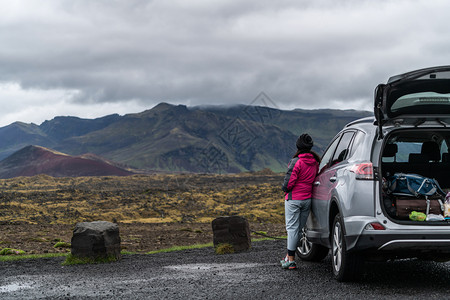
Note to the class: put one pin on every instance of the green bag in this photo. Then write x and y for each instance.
(417, 216)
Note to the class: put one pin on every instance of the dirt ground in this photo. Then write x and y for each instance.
(153, 211)
(137, 237)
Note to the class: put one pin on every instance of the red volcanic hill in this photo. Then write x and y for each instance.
(34, 160)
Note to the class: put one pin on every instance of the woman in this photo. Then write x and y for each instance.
(297, 185)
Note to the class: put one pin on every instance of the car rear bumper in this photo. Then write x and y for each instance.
(395, 242)
(395, 237)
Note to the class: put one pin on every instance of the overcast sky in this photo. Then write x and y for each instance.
(92, 58)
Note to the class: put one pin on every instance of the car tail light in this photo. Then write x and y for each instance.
(374, 226)
(363, 171)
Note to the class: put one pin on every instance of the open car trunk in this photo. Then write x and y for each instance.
(416, 151)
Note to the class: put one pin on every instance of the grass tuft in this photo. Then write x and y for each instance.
(181, 248)
(10, 251)
(261, 232)
(75, 260)
(62, 245)
(270, 238)
(30, 256)
(224, 248)
(125, 252)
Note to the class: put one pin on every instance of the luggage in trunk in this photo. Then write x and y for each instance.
(405, 205)
(408, 184)
(409, 192)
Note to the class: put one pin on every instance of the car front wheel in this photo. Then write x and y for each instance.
(346, 266)
(308, 251)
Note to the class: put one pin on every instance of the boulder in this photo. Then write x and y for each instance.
(99, 239)
(233, 230)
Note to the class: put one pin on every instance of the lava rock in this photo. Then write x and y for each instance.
(234, 230)
(98, 239)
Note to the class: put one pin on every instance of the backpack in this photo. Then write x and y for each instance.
(402, 184)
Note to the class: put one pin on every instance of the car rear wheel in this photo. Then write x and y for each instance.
(346, 266)
(308, 251)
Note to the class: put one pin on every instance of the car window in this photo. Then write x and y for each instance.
(342, 149)
(418, 100)
(444, 151)
(444, 147)
(404, 151)
(357, 141)
(328, 154)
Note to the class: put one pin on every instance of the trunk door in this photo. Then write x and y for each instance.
(421, 94)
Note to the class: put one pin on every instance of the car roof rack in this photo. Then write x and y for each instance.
(363, 120)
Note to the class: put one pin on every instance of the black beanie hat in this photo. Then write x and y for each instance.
(304, 142)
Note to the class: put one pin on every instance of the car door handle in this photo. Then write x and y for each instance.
(317, 183)
(333, 179)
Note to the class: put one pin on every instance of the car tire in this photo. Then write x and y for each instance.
(346, 266)
(308, 251)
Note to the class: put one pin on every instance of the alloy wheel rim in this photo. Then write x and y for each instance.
(337, 247)
(305, 245)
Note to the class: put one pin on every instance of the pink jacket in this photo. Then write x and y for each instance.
(300, 176)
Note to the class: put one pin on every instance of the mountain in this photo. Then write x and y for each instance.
(18, 135)
(61, 128)
(33, 160)
(168, 137)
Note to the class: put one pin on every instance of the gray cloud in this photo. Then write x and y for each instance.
(306, 54)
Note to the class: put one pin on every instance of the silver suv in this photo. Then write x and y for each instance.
(352, 212)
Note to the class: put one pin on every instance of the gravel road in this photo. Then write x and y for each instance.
(200, 274)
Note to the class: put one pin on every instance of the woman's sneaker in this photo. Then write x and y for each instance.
(285, 259)
(290, 265)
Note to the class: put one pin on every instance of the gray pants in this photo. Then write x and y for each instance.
(296, 212)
